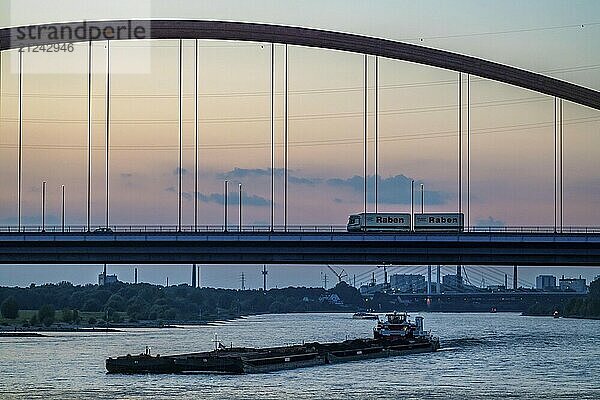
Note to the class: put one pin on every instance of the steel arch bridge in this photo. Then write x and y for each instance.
(493, 248)
(10, 38)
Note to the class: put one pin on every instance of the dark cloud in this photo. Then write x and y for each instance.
(241, 173)
(392, 190)
(304, 181)
(238, 173)
(171, 189)
(247, 200)
(489, 222)
(126, 175)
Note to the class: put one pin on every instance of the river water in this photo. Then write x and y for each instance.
(482, 356)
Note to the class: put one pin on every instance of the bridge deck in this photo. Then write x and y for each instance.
(509, 248)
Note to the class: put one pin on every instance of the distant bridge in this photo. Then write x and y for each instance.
(469, 248)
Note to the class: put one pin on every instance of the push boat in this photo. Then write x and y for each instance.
(394, 336)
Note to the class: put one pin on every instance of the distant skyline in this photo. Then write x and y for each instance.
(512, 177)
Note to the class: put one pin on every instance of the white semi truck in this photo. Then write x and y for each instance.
(401, 222)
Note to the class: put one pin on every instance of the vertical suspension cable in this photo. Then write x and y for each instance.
(196, 72)
(20, 151)
(376, 132)
(89, 139)
(1, 75)
(272, 137)
(460, 142)
(285, 152)
(555, 163)
(561, 164)
(468, 150)
(365, 144)
(107, 138)
(179, 184)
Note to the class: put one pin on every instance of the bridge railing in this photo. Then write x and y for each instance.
(267, 228)
(171, 228)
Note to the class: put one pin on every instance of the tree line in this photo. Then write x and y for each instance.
(137, 302)
(588, 307)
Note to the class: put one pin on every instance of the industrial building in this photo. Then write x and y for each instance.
(452, 282)
(408, 283)
(545, 282)
(104, 279)
(577, 285)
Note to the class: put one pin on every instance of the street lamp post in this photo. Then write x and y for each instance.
(412, 200)
(62, 215)
(44, 206)
(225, 191)
(422, 199)
(240, 216)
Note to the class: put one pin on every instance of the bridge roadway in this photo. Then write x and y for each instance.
(468, 248)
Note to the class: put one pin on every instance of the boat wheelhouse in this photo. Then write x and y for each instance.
(398, 325)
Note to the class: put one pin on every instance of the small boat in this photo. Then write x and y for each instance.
(393, 337)
(556, 314)
(364, 315)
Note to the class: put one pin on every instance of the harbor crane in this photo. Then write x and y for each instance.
(340, 275)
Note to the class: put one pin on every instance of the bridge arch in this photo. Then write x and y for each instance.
(243, 31)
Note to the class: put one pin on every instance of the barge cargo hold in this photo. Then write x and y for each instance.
(394, 337)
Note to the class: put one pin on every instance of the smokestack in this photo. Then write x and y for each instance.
(429, 279)
(505, 281)
(459, 275)
(439, 285)
(167, 281)
(193, 275)
(135, 276)
(515, 277)
(198, 283)
(104, 275)
(264, 273)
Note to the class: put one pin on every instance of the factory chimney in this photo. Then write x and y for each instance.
(264, 274)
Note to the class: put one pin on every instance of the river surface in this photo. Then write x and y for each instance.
(482, 356)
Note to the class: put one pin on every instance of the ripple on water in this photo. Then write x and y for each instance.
(483, 356)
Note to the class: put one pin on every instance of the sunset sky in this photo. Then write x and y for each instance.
(512, 175)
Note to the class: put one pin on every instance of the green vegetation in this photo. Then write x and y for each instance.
(588, 307)
(9, 308)
(46, 314)
(94, 305)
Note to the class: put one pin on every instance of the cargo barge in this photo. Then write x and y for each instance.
(395, 336)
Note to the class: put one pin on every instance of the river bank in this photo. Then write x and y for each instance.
(18, 327)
